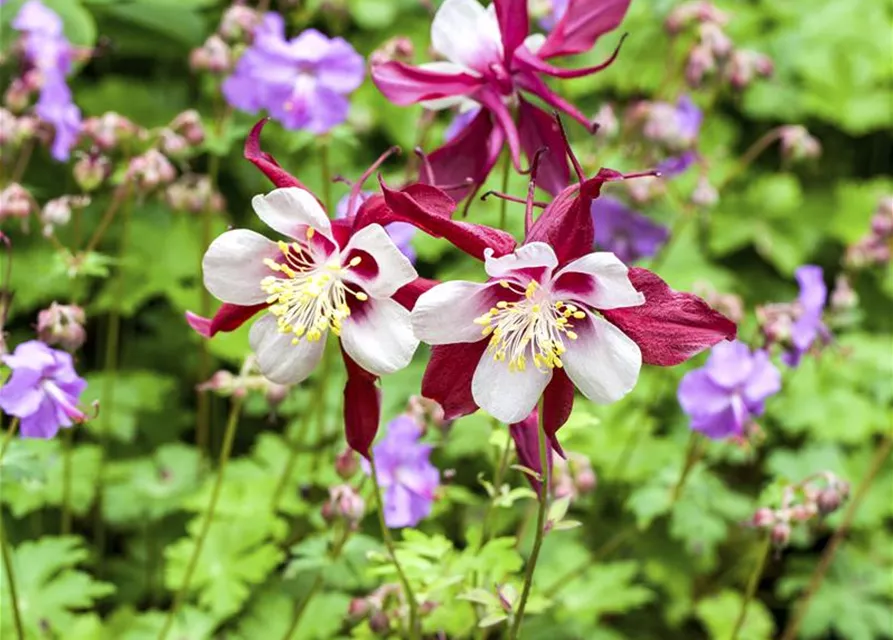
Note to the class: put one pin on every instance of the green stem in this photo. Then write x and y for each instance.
(821, 569)
(10, 579)
(497, 483)
(752, 583)
(540, 527)
(228, 438)
(317, 583)
(118, 198)
(503, 203)
(612, 544)
(10, 434)
(752, 153)
(68, 446)
(414, 622)
(692, 455)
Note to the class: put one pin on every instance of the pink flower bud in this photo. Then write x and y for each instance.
(699, 64)
(346, 464)
(697, 11)
(276, 393)
(214, 56)
(763, 517)
(704, 193)
(238, 22)
(62, 325)
(844, 297)
(91, 170)
(109, 130)
(829, 501)
(882, 220)
(150, 170)
(16, 202)
(222, 383)
(18, 95)
(714, 38)
(608, 125)
(57, 212)
(358, 609)
(798, 144)
(397, 49)
(745, 65)
(344, 504)
(802, 512)
(781, 534)
(173, 145)
(193, 194)
(189, 125)
(379, 622)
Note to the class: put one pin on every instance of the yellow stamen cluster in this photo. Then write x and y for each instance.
(308, 299)
(535, 323)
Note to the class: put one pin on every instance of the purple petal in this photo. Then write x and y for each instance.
(628, 234)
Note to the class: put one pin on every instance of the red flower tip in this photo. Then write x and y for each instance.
(200, 324)
(266, 163)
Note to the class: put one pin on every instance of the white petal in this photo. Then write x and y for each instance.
(610, 277)
(534, 254)
(379, 337)
(603, 362)
(508, 396)
(278, 359)
(394, 269)
(233, 266)
(467, 34)
(445, 313)
(290, 211)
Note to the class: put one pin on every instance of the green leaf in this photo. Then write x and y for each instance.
(50, 587)
(720, 612)
(124, 396)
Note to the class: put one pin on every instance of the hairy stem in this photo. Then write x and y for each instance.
(818, 575)
(10, 434)
(414, 622)
(540, 527)
(228, 438)
(10, 580)
(692, 455)
(752, 583)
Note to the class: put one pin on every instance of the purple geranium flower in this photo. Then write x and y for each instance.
(677, 127)
(811, 303)
(43, 390)
(302, 82)
(405, 473)
(48, 51)
(624, 232)
(729, 390)
(401, 233)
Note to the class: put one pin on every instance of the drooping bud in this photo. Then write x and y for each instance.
(699, 64)
(797, 143)
(109, 130)
(276, 393)
(698, 11)
(172, 144)
(189, 125)
(16, 203)
(704, 194)
(18, 95)
(91, 170)
(8, 128)
(714, 38)
(829, 501)
(238, 22)
(57, 212)
(745, 65)
(214, 56)
(379, 622)
(396, 49)
(347, 464)
(358, 609)
(781, 534)
(194, 194)
(843, 298)
(150, 170)
(344, 504)
(63, 325)
(763, 517)
(223, 383)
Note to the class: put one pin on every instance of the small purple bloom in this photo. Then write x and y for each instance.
(810, 305)
(688, 118)
(55, 106)
(400, 232)
(626, 233)
(407, 476)
(729, 390)
(302, 82)
(677, 165)
(676, 126)
(43, 390)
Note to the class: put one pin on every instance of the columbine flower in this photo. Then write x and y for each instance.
(43, 390)
(554, 315)
(626, 233)
(302, 82)
(401, 233)
(808, 324)
(405, 473)
(48, 51)
(490, 60)
(344, 277)
(723, 396)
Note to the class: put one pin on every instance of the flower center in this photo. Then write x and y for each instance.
(309, 299)
(533, 324)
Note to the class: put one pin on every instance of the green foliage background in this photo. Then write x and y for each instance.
(640, 566)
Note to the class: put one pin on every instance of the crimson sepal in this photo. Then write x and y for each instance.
(671, 326)
(362, 407)
(229, 317)
(266, 163)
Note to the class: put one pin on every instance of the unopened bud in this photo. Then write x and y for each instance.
(109, 130)
(397, 49)
(745, 65)
(346, 464)
(714, 38)
(829, 501)
(16, 202)
(763, 517)
(798, 144)
(607, 122)
(379, 622)
(698, 65)
(358, 609)
(194, 194)
(781, 534)
(150, 170)
(344, 504)
(276, 393)
(57, 212)
(91, 170)
(238, 22)
(189, 125)
(214, 56)
(698, 11)
(222, 383)
(18, 95)
(704, 193)
(802, 512)
(172, 145)
(844, 297)
(63, 325)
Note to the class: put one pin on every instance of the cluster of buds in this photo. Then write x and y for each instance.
(396, 49)
(110, 130)
(728, 304)
(777, 320)
(235, 29)
(380, 607)
(194, 194)
(426, 412)
(815, 497)
(62, 325)
(344, 505)
(91, 170)
(798, 144)
(873, 249)
(14, 130)
(225, 384)
(714, 53)
(182, 135)
(17, 203)
(572, 477)
(57, 212)
(150, 170)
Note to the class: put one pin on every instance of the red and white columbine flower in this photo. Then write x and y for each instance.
(535, 316)
(492, 60)
(345, 277)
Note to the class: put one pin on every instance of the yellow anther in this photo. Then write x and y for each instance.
(362, 297)
(355, 261)
(310, 232)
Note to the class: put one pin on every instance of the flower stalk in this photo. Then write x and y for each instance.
(10, 579)
(752, 583)
(228, 439)
(540, 526)
(10, 434)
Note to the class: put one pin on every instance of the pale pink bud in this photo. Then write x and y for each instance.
(214, 56)
(744, 65)
(63, 325)
(222, 383)
(608, 125)
(829, 500)
(150, 170)
(16, 202)
(704, 193)
(344, 504)
(109, 130)
(699, 64)
(379, 622)
(882, 220)
(844, 297)
(18, 95)
(358, 609)
(57, 212)
(797, 143)
(189, 125)
(275, 393)
(194, 194)
(763, 517)
(91, 170)
(346, 464)
(238, 22)
(697, 11)
(397, 49)
(781, 534)
(714, 38)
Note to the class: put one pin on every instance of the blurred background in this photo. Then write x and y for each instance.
(786, 162)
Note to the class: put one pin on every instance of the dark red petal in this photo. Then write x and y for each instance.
(527, 446)
(447, 378)
(540, 130)
(229, 317)
(408, 294)
(581, 25)
(362, 407)
(514, 24)
(265, 162)
(468, 158)
(558, 402)
(423, 209)
(671, 326)
(403, 84)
